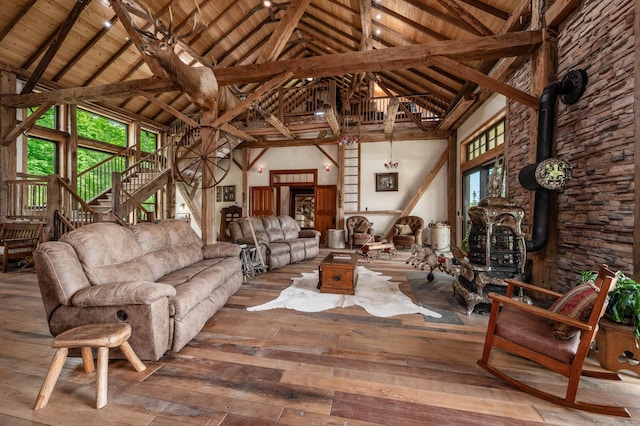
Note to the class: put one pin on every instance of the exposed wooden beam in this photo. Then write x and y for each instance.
(53, 49)
(274, 121)
(559, 10)
(26, 124)
(171, 110)
(466, 17)
(392, 112)
(489, 47)
(76, 94)
(457, 111)
(14, 21)
(486, 81)
(332, 119)
(285, 28)
(86, 48)
(326, 154)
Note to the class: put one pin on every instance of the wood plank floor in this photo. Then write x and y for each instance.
(338, 367)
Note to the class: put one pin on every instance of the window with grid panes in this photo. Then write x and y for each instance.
(486, 141)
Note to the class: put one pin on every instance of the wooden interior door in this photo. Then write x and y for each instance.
(261, 201)
(325, 210)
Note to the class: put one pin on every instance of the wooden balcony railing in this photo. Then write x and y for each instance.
(27, 198)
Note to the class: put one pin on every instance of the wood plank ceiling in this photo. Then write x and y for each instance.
(63, 44)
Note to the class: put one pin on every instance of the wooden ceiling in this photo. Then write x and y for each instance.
(446, 48)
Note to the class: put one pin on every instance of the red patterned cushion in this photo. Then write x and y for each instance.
(577, 303)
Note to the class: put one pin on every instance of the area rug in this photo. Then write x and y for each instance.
(436, 294)
(374, 292)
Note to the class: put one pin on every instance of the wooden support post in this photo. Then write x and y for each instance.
(8, 152)
(543, 70)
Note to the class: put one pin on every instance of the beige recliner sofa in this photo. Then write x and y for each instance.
(159, 278)
(281, 240)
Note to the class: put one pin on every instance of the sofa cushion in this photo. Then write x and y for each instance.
(289, 226)
(195, 282)
(297, 250)
(272, 228)
(109, 252)
(168, 246)
(241, 231)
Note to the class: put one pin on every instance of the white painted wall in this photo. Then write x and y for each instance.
(416, 159)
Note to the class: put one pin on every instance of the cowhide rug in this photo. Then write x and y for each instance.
(374, 292)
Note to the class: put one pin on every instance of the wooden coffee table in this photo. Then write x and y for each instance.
(338, 273)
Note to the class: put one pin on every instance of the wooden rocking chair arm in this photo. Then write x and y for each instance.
(532, 287)
(535, 310)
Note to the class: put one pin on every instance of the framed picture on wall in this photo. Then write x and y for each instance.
(218, 194)
(229, 193)
(386, 182)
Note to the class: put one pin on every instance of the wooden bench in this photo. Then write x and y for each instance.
(18, 240)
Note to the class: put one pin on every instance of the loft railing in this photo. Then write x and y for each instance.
(374, 110)
(96, 180)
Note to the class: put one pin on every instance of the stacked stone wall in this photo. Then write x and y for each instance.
(595, 136)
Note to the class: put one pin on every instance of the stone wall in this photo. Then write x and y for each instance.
(595, 136)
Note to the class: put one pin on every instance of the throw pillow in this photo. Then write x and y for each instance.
(362, 227)
(577, 303)
(404, 229)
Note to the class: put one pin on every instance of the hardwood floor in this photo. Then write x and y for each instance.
(338, 367)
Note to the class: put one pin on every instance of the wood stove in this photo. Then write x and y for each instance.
(495, 251)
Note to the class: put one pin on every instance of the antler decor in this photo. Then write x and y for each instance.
(199, 84)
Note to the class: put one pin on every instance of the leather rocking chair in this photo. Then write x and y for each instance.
(557, 338)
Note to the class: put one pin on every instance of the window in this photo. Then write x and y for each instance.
(474, 187)
(101, 128)
(48, 119)
(486, 141)
(479, 163)
(42, 157)
(148, 141)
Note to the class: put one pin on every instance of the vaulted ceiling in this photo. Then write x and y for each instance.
(452, 50)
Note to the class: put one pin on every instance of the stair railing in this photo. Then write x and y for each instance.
(66, 210)
(136, 177)
(96, 180)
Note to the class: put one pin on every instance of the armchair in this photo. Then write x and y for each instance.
(407, 231)
(359, 230)
(557, 338)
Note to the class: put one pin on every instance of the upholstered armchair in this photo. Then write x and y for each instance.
(407, 231)
(359, 231)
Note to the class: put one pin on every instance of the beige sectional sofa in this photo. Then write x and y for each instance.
(157, 277)
(280, 237)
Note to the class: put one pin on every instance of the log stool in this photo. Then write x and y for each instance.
(102, 336)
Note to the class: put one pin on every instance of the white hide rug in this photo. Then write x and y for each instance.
(374, 292)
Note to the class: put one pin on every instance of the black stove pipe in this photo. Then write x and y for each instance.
(542, 203)
(570, 89)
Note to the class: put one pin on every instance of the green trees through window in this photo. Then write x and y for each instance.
(100, 128)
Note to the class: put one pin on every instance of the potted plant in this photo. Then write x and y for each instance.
(624, 302)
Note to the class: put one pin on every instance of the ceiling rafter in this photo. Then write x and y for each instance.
(14, 21)
(460, 12)
(61, 35)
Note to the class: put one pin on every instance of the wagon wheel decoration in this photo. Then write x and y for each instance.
(203, 157)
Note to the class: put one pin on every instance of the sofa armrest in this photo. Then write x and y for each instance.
(122, 293)
(221, 249)
(309, 233)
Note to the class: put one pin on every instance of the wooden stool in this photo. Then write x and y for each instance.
(102, 336)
